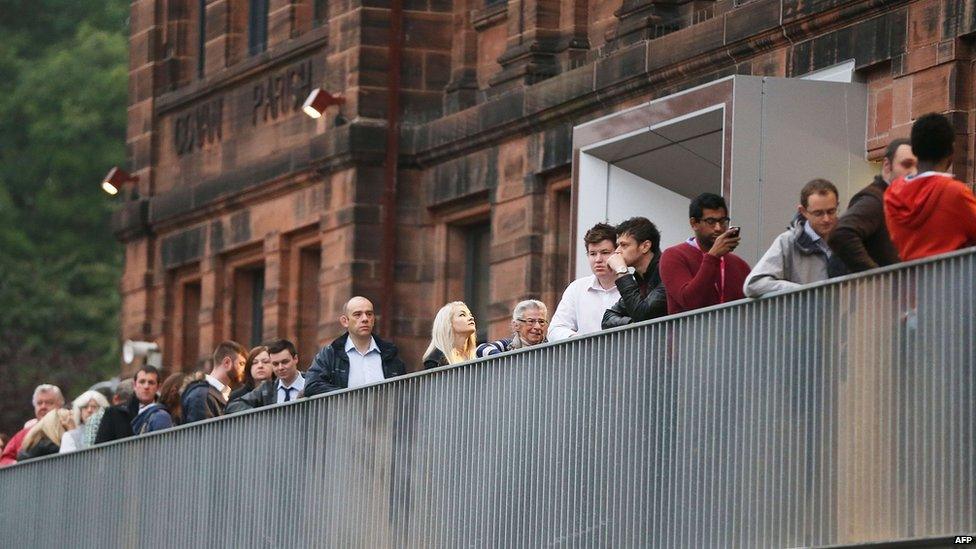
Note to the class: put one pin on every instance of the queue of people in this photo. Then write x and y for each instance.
(913, 209)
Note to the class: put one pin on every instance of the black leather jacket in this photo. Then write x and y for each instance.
(330, 369)
(630, 307)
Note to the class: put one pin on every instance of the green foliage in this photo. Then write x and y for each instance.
(63, 78)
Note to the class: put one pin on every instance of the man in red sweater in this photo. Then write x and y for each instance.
(703, 271)
(930, 213)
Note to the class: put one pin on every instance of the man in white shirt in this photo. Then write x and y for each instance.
(581, 308)
(286, 386)
(357, 357)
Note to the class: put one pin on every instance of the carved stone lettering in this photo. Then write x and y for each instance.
(282, 93)
(199, 126)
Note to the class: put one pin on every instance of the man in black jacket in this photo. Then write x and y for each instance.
(860, 240)
(642, 294)
(357, 357)
(287, 385)
(116, 420)
(207, 397)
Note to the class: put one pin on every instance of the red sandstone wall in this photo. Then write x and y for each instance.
(490, 94)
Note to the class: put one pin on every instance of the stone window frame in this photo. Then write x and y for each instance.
(177, 280)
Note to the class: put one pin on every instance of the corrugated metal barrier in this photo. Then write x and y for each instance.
(841, 413)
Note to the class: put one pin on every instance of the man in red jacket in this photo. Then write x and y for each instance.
(930, 213)
(703, 271)
(46, 398)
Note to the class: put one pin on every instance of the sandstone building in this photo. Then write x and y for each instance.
(251, 220)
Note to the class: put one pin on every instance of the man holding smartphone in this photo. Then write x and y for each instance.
(703, 271)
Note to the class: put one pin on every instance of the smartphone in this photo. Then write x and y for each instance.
(734, 231)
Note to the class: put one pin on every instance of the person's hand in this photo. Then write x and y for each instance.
(616, 262)
(725, 243)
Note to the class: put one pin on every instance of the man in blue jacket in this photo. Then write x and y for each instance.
(357, 357)
(151, 415)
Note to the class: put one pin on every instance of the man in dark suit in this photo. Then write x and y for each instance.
(207, 397)
(287, 385)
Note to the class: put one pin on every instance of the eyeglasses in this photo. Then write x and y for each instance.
(823, 213)
(541, 322)
(723, 221)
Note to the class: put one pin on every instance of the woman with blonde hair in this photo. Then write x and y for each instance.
(45, 438)
(452, 339)
(82, 408)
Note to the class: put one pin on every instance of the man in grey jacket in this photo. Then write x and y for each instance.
(801, 254)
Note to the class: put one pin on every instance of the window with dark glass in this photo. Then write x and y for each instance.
(477, 271)
(309, 265)
(248, 305)
(201, 37)
(319, 12)
(257, 27)
(190, 336)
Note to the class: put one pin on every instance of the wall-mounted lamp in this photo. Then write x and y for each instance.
(319, 100)
(148, 349)
(115, 178)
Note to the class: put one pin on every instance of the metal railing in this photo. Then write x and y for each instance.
(837, 414)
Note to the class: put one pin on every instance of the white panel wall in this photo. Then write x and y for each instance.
(591, 204)
(631, 196)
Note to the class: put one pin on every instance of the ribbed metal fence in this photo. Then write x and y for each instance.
(838, 414)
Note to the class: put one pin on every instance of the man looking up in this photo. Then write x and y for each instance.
(207, 397)
(703, 271)
(46, 398)
(151, 416)
(860, 240)
(800, 255)
(642, 294)
(355, 358)
(286, 386)
(581, 308)
(932, 212)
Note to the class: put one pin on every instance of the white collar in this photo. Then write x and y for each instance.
(298, 381)
(810, 232)
(372, 346)
(216, 384)
(595, 285)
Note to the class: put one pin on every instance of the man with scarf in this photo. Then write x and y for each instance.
(530, 321)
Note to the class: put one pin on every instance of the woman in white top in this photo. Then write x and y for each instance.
(82, 408)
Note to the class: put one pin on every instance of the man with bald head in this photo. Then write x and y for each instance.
(357, 357)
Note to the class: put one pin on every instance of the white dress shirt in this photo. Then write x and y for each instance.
(580, 311)
(216, 384)
(297, 386)
(364, 368)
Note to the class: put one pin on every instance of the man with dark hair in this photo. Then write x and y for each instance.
(581, 308)
(150, 415)
(860, 240)
(800, 255)
(116, 421)
(932, 212)
(357, 357)
(635, 265)
(207, 397)
(703, 271)
(287, 385)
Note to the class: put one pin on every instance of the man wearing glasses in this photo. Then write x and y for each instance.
(703, 271)
(530, 321)
(801, 254)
